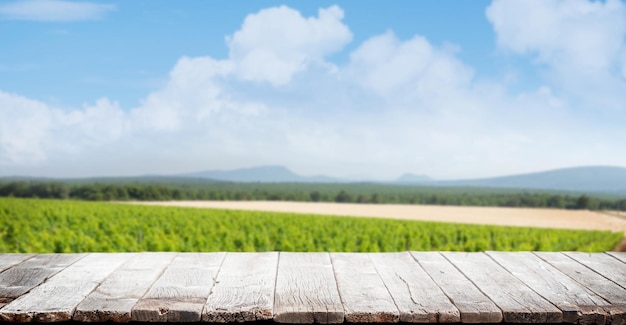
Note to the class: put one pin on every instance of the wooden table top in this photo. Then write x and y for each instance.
(327, 288)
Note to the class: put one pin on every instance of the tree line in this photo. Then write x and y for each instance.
(342, 193)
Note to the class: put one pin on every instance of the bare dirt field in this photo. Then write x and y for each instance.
(619, 214)
(545, 218)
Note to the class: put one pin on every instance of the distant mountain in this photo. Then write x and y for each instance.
(263, 174)
(409, 178)
(580, 179)
(593, 179)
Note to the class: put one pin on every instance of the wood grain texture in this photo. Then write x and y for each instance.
(21, 278)
(618, 255)
(10, 260)
(115, 297)
(473, 305)
(417, 297)
(603, 287)
(416, 287)
(181, 291)
(604, 264)
(364, 295)
(244, 290)
(306, 291)
(56, 299)
(519, 304)
(578, 304)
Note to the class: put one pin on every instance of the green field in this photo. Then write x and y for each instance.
(63, 226)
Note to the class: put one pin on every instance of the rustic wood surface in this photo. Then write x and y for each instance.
(604, 264)
(115, 297)
(519, 304)
(20, 279)
(182, 290)
(473, 305)
(9, 260)
(364, 295)
(619, 255)
(416, 295)
(592, 280)
(578, 304)
(244, 290)
(407, 287)
(306, 291)
(56, 299)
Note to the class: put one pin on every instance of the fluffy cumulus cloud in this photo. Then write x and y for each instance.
(274, 44)
(396, 105)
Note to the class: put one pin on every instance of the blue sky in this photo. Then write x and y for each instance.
(352, 89)
(129, 50)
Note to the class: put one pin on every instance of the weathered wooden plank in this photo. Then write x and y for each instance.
(244, 290)
(519, 304)
(182, 290)
(104, 287)
(56, 299)
(21, 278)
(9, 260)
(417, 297)
(578, 304)
(115, 297)
(473, 305)
(603, 287)
(618, 255)
(604, 264)
(363, 293)
(306, 291)
(6, 262)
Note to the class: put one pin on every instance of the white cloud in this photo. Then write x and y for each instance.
(274, 44)
(31, 130)
(587, 34)
(24, 124)
(103, 122)
(396, 106)
(390, 66)
(54, 10)
(580, 42)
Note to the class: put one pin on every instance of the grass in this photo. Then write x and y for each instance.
(62, 226)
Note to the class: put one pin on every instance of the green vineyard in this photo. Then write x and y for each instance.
(61, 226)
